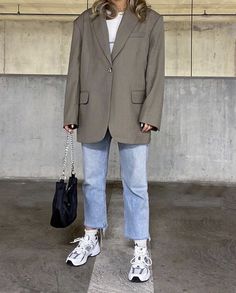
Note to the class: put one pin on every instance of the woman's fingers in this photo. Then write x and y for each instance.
(67, 128)
(146, 127)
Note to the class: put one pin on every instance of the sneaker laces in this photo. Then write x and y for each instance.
(84, 242)
(141, 257)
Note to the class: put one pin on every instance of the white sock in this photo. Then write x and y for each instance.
(141, 243)
(91, 232)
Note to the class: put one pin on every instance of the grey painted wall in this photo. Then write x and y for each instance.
(197, 141)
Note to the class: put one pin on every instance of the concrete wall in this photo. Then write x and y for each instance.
(36, 47)
(42, 47)
(197, 140)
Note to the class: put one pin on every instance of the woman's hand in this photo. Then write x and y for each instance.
(70, 128)
(147, 127)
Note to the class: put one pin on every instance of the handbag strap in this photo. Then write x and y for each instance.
(69, 137)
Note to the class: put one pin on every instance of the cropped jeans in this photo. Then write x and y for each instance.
(133, 171)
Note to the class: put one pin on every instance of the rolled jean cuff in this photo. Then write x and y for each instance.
(103, 227)
(132, 237)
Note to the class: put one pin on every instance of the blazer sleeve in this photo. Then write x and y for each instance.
(71, 102)
(151, 111)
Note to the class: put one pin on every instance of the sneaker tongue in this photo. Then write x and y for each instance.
(86, 236)
(140, 246)
(90, 237)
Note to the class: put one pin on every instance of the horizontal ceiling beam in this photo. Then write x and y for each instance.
(73, 7)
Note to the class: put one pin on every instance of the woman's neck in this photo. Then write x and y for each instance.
(120, 5)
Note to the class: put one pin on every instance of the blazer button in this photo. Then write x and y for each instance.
(109, 69)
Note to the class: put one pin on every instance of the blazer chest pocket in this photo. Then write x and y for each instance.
(137, 35)
(137, 96)
(84, 97)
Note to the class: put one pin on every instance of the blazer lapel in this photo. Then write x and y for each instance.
(100, 28)
(127, 24)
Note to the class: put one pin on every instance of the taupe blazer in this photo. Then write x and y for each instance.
(115, 90)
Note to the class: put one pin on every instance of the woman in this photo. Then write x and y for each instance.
(115, 88)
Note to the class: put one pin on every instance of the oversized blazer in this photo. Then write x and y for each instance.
(119, 89)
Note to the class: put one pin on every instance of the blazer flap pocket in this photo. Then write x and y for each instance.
(84, 97)
(138, 96)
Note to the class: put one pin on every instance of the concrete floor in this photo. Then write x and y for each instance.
(193, 243)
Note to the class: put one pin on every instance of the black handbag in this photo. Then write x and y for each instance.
(64, 204)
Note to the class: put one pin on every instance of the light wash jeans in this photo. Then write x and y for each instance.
(133, 171)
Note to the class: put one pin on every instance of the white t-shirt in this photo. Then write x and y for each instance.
(112, 25)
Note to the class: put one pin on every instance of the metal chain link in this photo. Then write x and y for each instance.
(72, 155)
(66, 153)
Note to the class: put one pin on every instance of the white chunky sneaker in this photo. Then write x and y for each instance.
(140, 263)
(88, 246)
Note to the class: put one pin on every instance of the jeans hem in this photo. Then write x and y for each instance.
(137, 238)
(104, 226)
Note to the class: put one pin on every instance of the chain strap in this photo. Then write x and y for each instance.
(69, 136)
(72, 155)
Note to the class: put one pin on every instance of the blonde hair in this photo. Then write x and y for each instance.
(109, 10)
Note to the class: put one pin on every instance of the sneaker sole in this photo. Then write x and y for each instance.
(137, 280)
(70, 263)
